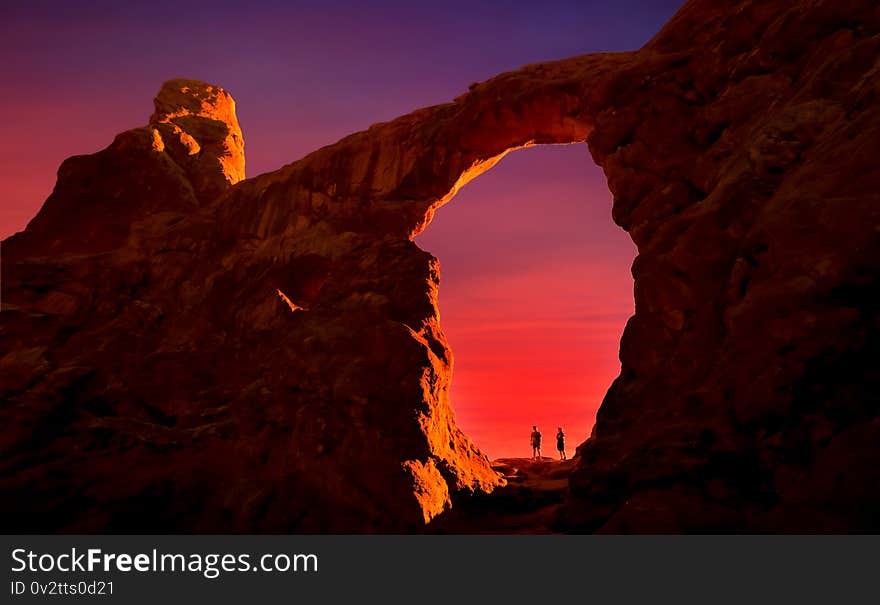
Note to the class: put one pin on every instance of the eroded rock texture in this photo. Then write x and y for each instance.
(185, 352)
(746, 171)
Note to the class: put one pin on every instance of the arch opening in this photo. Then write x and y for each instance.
(535, 291)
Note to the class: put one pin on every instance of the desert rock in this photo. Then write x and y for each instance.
(184, 350)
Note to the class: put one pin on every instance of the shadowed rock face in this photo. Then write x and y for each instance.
(182, 351)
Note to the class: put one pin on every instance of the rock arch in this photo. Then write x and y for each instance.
(153, 364)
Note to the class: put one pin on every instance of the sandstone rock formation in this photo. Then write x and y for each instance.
(181, 351)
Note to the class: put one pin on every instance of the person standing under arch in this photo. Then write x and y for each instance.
(536, 443)
(560, 443)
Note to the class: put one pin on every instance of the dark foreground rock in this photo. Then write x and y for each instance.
(529, 502)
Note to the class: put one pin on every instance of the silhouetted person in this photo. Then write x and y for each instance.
(536, 443)
(560, 443)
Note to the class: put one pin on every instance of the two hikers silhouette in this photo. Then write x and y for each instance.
(536, 443)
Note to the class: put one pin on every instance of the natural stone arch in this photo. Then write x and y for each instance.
(735, 132)
(395, 174)
(277, 254)
(374, 191)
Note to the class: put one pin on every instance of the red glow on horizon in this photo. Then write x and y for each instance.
(535, 291)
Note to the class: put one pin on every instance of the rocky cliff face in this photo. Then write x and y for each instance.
(182, 351)
(745, 170)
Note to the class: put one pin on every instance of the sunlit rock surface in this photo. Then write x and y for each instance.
(182, 351)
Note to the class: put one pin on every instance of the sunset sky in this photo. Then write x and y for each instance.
(535, 276)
